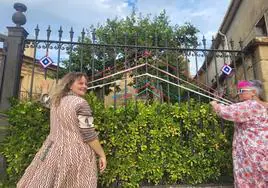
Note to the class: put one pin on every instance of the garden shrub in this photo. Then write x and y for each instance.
(27, 131)
(146, 144)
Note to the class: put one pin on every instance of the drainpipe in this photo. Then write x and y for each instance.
(228, 60)
(226, 47)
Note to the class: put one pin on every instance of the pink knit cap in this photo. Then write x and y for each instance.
(244, 83)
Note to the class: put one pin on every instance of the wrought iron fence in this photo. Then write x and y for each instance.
(24, 95)
(166, 73)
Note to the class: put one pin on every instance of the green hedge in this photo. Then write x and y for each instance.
(145, 144)
(29, 127)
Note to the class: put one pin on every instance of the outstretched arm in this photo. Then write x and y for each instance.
(239, 112)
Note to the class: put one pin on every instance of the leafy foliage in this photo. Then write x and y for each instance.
(132, 31)
(163, 144)
(146, 144)
(28, 129)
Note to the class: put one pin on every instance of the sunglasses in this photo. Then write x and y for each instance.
(240, 91)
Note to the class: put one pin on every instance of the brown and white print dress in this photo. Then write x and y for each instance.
(65, 160)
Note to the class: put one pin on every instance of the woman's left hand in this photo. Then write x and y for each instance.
(102, 164)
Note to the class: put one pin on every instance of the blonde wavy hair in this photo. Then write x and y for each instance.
(63, 88)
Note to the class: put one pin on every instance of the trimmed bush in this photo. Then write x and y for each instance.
(27, 131)
(146, 144)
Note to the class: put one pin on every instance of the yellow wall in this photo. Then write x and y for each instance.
(26, 75)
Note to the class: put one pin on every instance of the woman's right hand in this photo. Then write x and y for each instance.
(102, 164)
(213, 103)
(96, 146)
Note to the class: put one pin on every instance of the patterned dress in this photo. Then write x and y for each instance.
(250, 142)
(65, 160)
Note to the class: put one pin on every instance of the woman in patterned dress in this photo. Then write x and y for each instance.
(67, 157)
(250, 140)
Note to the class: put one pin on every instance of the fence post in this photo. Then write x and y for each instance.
(14, 55)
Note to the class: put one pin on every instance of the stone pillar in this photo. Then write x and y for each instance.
(261, 62)
(11, 67)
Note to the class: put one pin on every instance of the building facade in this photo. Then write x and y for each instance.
(244, 27)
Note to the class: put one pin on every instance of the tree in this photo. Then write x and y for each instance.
(142, 39)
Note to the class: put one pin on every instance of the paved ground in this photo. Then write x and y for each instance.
(188, 186)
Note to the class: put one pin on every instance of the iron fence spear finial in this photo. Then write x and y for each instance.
(48, 32)
(71, 34)
(204, 42)
(60, 32)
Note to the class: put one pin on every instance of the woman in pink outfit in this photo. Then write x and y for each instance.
(67, 157)
(250, 140)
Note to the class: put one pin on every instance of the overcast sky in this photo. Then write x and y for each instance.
(206, 15)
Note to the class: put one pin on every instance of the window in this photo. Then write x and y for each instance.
(261, 26)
